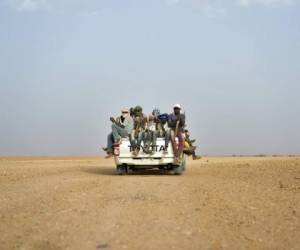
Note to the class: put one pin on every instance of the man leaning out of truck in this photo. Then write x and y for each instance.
(176, 123)
(122, 127)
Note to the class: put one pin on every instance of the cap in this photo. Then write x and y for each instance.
(138, 109)
(177, 106)
(125, 111)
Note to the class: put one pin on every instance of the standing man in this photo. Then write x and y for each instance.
(176, 123)
(121, 128)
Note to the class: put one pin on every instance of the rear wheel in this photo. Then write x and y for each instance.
(122, 169)
(178, 170)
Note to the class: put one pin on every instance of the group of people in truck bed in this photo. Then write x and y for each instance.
(139, 128)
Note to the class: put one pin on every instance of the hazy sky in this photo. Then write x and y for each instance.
(66, 66)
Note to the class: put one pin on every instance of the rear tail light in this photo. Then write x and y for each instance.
(117, 149)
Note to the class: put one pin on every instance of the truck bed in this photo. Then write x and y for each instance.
(142, 159)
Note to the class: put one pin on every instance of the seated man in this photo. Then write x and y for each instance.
(150, 135)
(121, 128)
(163, 129)
(189, 149)
(176, 123)
(136, 136)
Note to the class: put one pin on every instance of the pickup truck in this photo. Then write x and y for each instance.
(126, 161)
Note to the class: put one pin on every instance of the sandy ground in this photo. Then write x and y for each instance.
(219, 203)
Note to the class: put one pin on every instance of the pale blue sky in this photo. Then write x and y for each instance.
(66, 66)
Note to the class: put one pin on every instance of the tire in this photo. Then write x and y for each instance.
(178, 170)
(122, 170)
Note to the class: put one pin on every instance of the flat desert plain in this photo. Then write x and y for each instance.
(218, 203)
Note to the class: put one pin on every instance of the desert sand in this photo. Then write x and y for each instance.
(218, 203)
